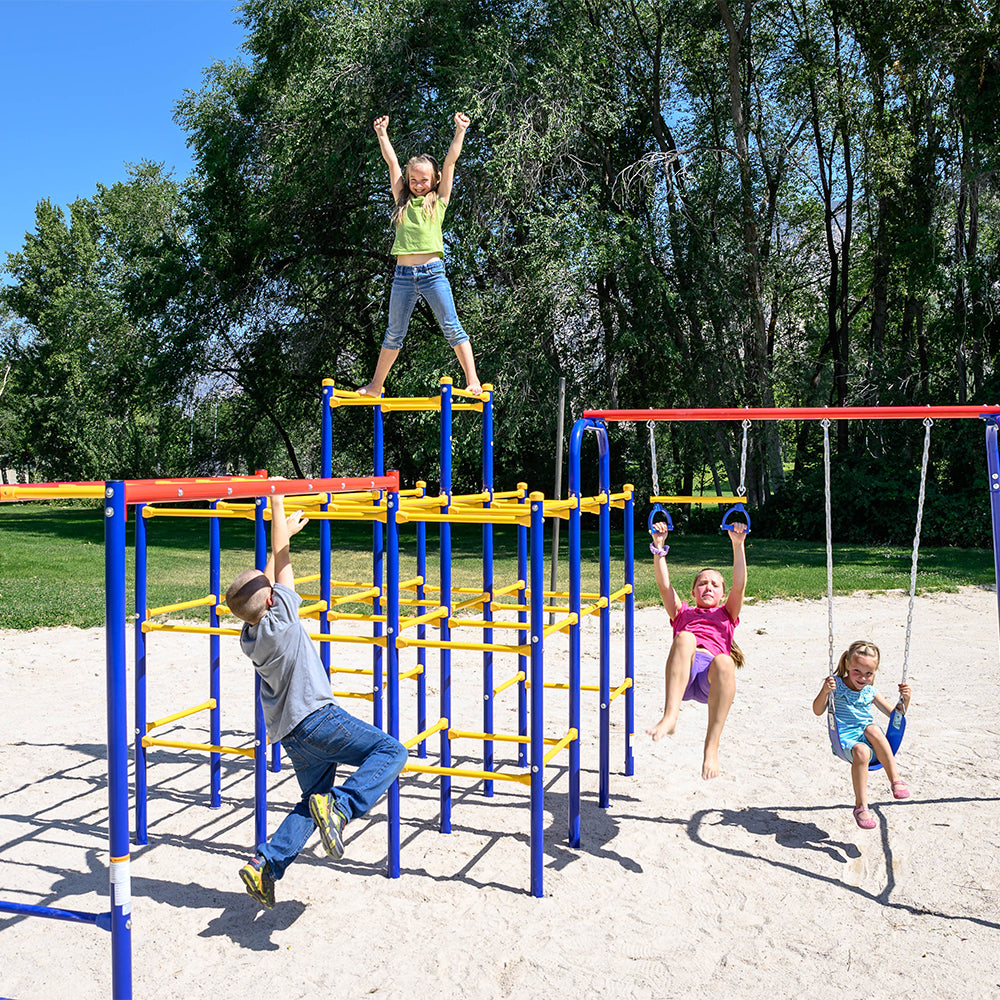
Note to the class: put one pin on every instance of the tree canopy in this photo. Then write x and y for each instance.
(787, 202)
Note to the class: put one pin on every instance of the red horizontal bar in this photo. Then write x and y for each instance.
(140, 491)
(802, 413)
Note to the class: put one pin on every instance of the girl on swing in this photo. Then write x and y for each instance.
(853, 688)
(703, 658)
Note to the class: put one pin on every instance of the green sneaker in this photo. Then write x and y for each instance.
(257, 878)
(330, 822)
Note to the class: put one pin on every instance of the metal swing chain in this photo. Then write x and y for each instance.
(829, 536)
(741, 491)
(928, 423)
(652, 452)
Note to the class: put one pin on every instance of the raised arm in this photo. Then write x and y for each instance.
(381, 127)
(279, 563)
(886, 707)
(451, 157)
(662, 571)
(734, 602)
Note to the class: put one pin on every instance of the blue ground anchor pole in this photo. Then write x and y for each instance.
(522, 635)
(115, 510)
(537, 587)
(488, 590)
(993, 467)
(604, 520)
(141, 789)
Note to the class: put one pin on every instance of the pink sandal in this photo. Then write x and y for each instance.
(864, 818)
(899, 790)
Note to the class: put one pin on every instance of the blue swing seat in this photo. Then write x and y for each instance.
(893, 733)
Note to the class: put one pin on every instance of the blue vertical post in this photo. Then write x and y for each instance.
(488, 590)
(115, 510)
(993, 467)
(326, 471)
(575, 635)
(604, 559)
(629, 540)
(259, 728)
(215, 656)
(537, 693)
(141, 607)
(522, 635)
(445, 568)
(392, 667)
(421, 630)
(378, 570)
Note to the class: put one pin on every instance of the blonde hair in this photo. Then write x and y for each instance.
(248, 594)
(406, 196)
(862, 647)
(735, 652)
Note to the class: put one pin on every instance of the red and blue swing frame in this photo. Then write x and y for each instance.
(990, 414)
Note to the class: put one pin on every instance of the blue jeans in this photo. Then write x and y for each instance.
(428, 282)
(322, 740)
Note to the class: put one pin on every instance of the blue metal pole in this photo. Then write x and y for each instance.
(421, 632)
(488, 590)
(392, 666)
(993, 467)
(604, 521)
(629, 540)
(537, 693)
(575, 604)
(378, 574)
(139, 639)
(215, 656)
(115, 510)
(522, 635)
(445, 568)
(326, 467)
(259, 727)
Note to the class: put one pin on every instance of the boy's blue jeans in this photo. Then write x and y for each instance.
(410, 283)
(322, 740)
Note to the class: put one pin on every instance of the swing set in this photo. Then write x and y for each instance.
(990, 414)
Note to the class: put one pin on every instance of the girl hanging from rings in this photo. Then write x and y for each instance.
(421, 193)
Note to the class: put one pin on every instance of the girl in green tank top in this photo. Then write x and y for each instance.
(421, 194)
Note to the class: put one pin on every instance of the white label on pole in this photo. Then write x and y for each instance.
(121, 886)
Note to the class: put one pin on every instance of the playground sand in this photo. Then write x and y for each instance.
(758, 883)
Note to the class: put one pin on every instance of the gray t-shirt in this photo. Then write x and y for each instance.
(293, 682)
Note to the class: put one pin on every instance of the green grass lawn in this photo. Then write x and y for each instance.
(52, 562)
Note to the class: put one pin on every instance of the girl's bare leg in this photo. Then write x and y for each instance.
(883, 751)
(721, 694)
(678, 673)
(386, 359)
(860, 758)
(466, 359)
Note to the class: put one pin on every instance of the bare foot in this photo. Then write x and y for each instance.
(665, 727)
(475, 388)
(710, 765)
(370, 390)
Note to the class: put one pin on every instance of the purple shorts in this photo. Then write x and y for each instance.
(697, 689)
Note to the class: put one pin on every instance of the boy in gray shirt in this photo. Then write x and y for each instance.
(300, 710)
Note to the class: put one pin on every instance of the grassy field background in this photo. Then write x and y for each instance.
(52, 562)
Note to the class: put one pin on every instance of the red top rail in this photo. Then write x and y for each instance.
(802, 413)
(210, 488)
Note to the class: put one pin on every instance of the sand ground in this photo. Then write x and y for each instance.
(758, 883)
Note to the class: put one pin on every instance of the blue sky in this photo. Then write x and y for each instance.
(87, 86)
